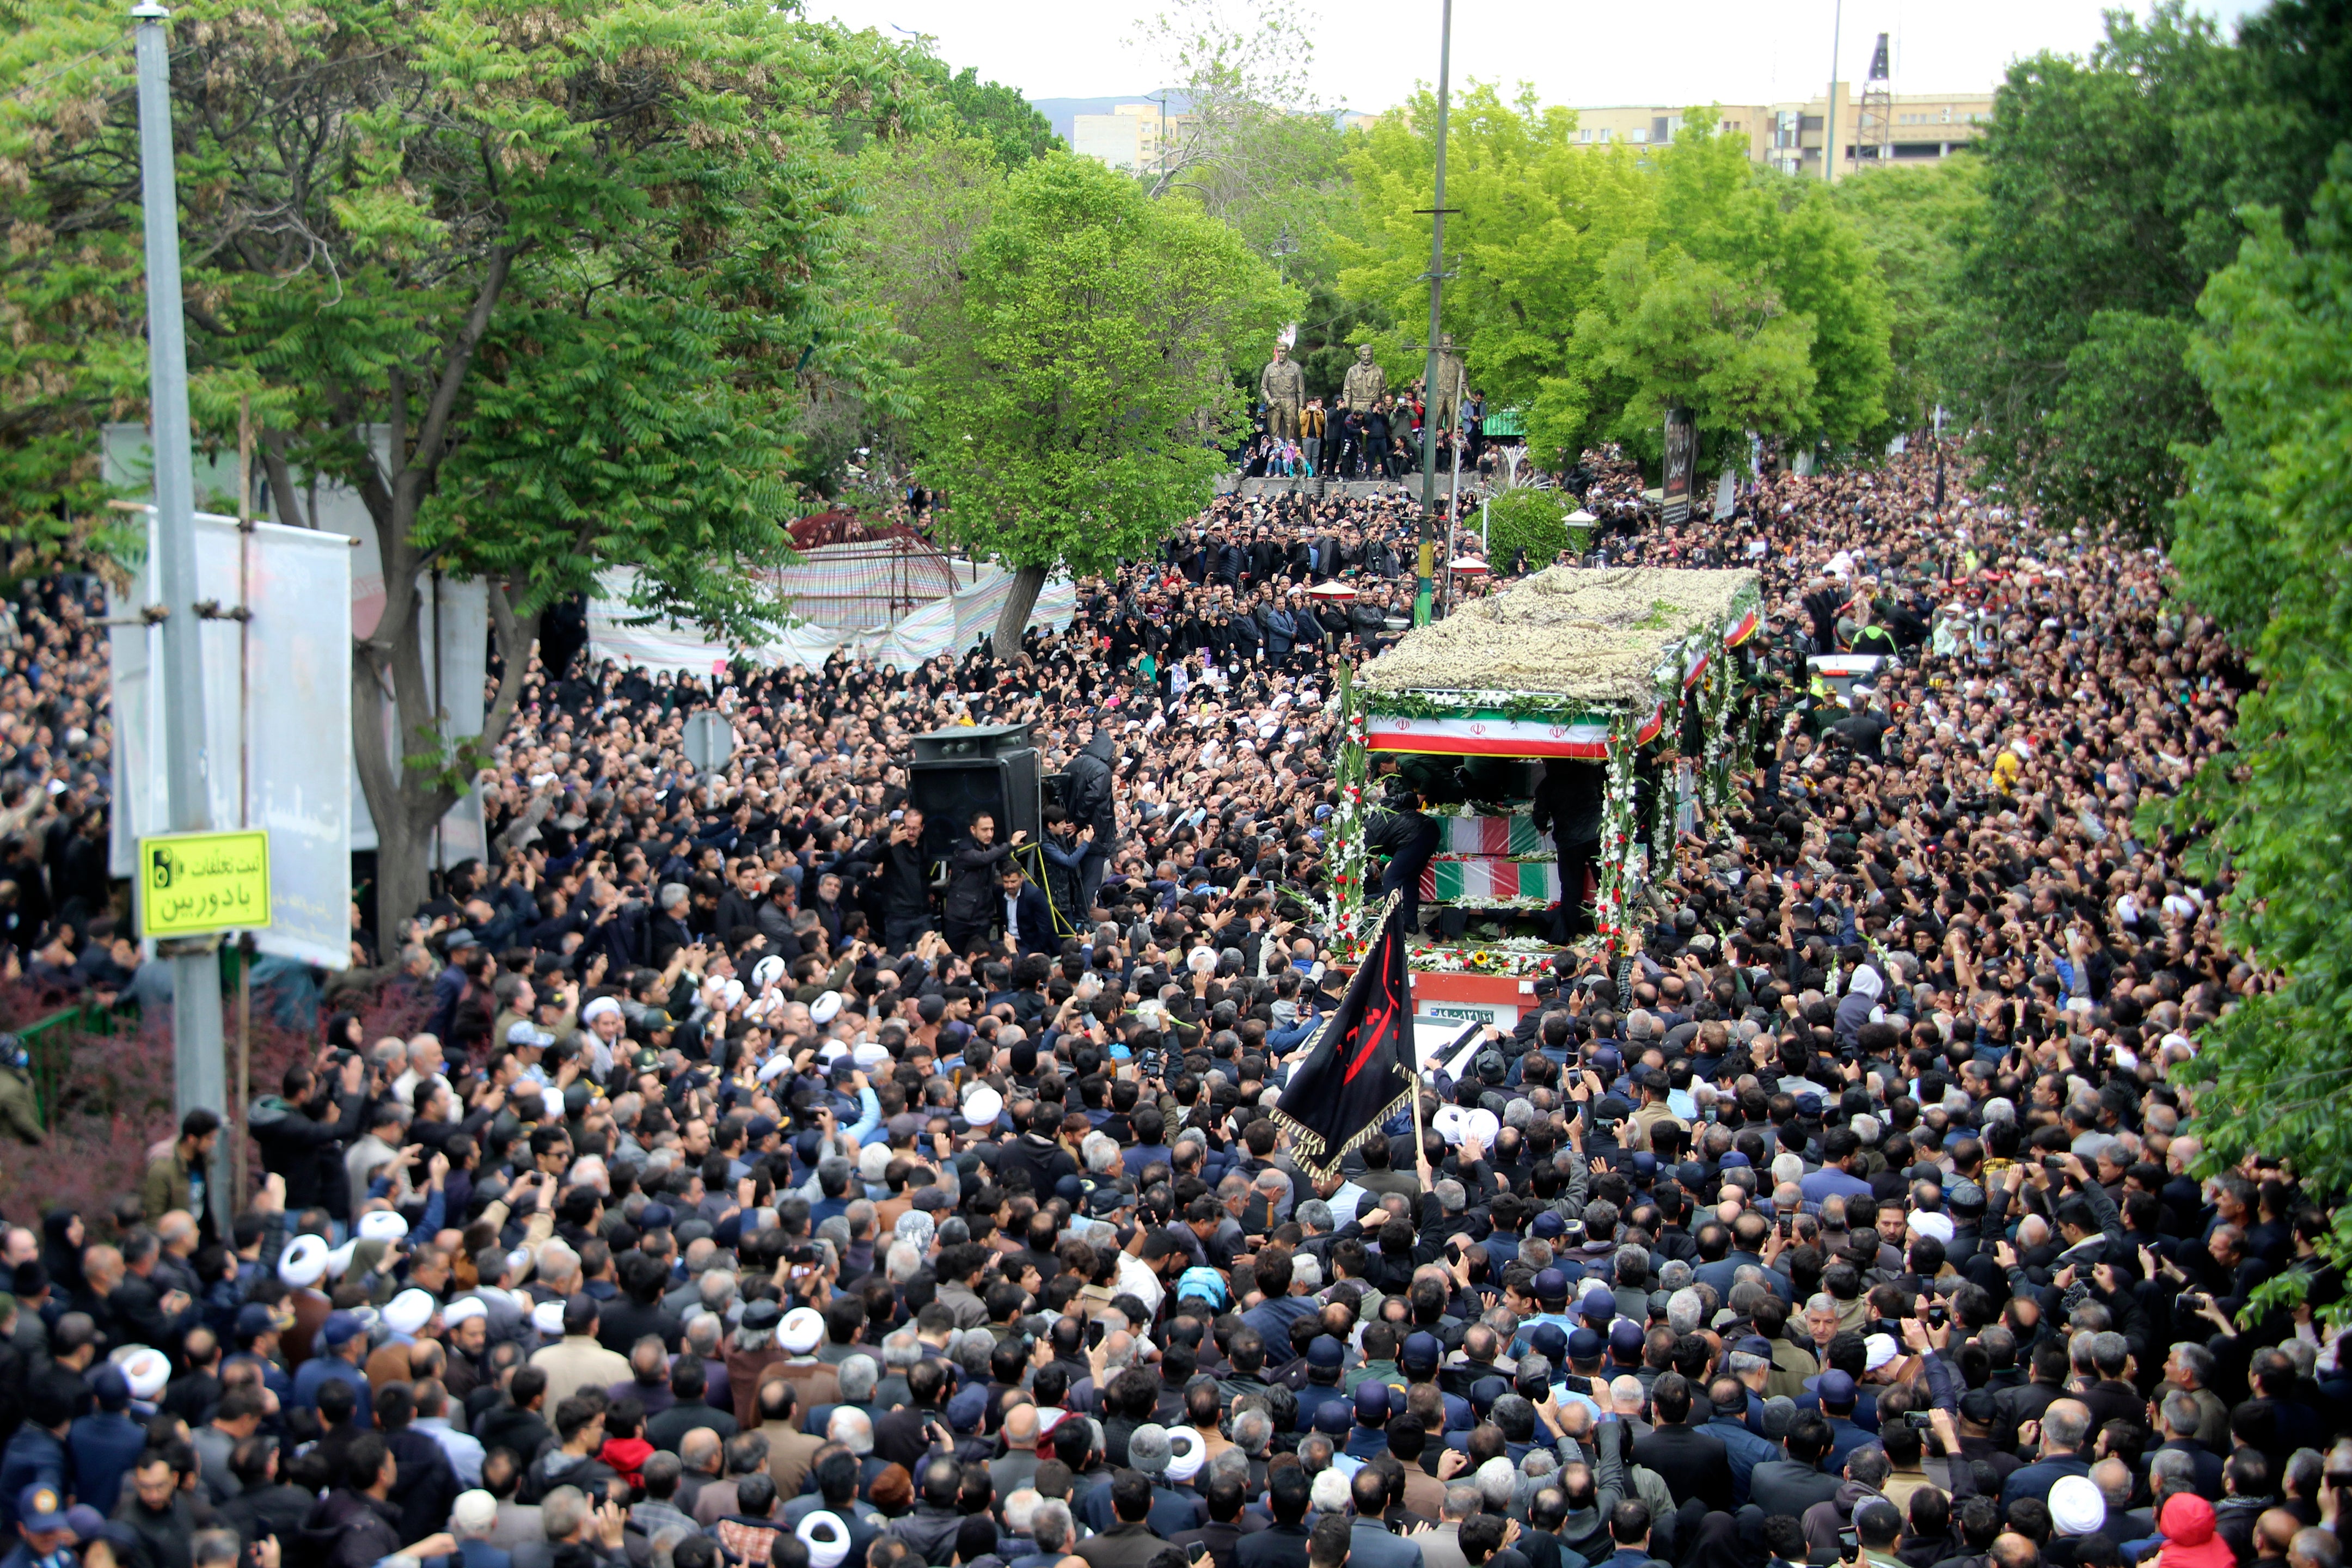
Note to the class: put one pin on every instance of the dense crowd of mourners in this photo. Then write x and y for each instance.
(749, 1196)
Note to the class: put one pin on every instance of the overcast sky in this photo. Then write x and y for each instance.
(1368, 53)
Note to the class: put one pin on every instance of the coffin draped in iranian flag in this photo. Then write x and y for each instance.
(1513, 835)
(1490, 880)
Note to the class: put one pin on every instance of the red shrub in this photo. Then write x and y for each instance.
(116, 1099)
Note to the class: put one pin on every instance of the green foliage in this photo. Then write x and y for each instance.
(1594, 284)
(2112, 189)
(540, 284)
(923, 201)
(1539, 216)
(997, 116)
(1525, 518)
(1075, 415)
(2264, 540)
(1911, 216)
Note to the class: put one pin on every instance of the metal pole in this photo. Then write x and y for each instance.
(241, 1171)
(1829, 120)
(240, 1167)
(1452, 520)
(1422, 584)
(198, 1071)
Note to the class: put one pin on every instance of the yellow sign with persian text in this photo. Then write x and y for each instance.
(194, 883)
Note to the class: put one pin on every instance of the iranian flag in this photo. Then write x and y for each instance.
(1491, 835)
(1482, 878)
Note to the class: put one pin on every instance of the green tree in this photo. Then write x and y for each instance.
(1911, 216)
(539, 284)
(1522, 517)
(998, 116)
(1592, 285)
(1247, 140)
(2112, 190)
(1675, 329)
(1538, 216)
(2264, 542)
(1075, 414)
(922, 202)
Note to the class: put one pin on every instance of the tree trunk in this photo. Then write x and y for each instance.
(1013, 619)
(406, 801)
(403, 875)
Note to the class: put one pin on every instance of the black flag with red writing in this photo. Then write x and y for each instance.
(1356, 1076)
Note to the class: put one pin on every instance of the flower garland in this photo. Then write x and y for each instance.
(1716, 689)
(1512, 958)
(1618, 826)
(1344, 847)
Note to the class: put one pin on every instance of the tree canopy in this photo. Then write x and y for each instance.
(1593, 285)
(2113, 188)
(1074, 411)
(543, 285)
(2264, 533)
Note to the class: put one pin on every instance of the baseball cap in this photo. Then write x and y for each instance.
(1550, 1341)
(1598, 1302)
(113, 1389)
(1326, 1353)
(340, 1327)
(1626, 1337)
(1552, 1285)
(1547, 1226)
(966, 1409)
(1835, 1388)
(1421, 1350)
(523, 1032)
(1372, 1401)
(1584, 1344)
(41, 1509)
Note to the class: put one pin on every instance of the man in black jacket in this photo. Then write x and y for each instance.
(1282, 1544)
(1568, 806)
(905, 884)
(971, 886)
(1692, 1464)
(1408, 838)
(637, 1312)
(1792, 1485)
(1092, 804)
(302, 1136)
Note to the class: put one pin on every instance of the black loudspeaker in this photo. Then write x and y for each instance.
(957, 774)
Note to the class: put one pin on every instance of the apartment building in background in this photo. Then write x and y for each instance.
(1136, 137)
(1900, 127)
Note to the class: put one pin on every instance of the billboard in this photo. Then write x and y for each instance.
(1681, 463)
(278, 720)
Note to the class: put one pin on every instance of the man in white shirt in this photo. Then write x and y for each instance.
(425, 1061)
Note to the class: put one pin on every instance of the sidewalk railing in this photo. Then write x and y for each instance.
(50, 1043)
